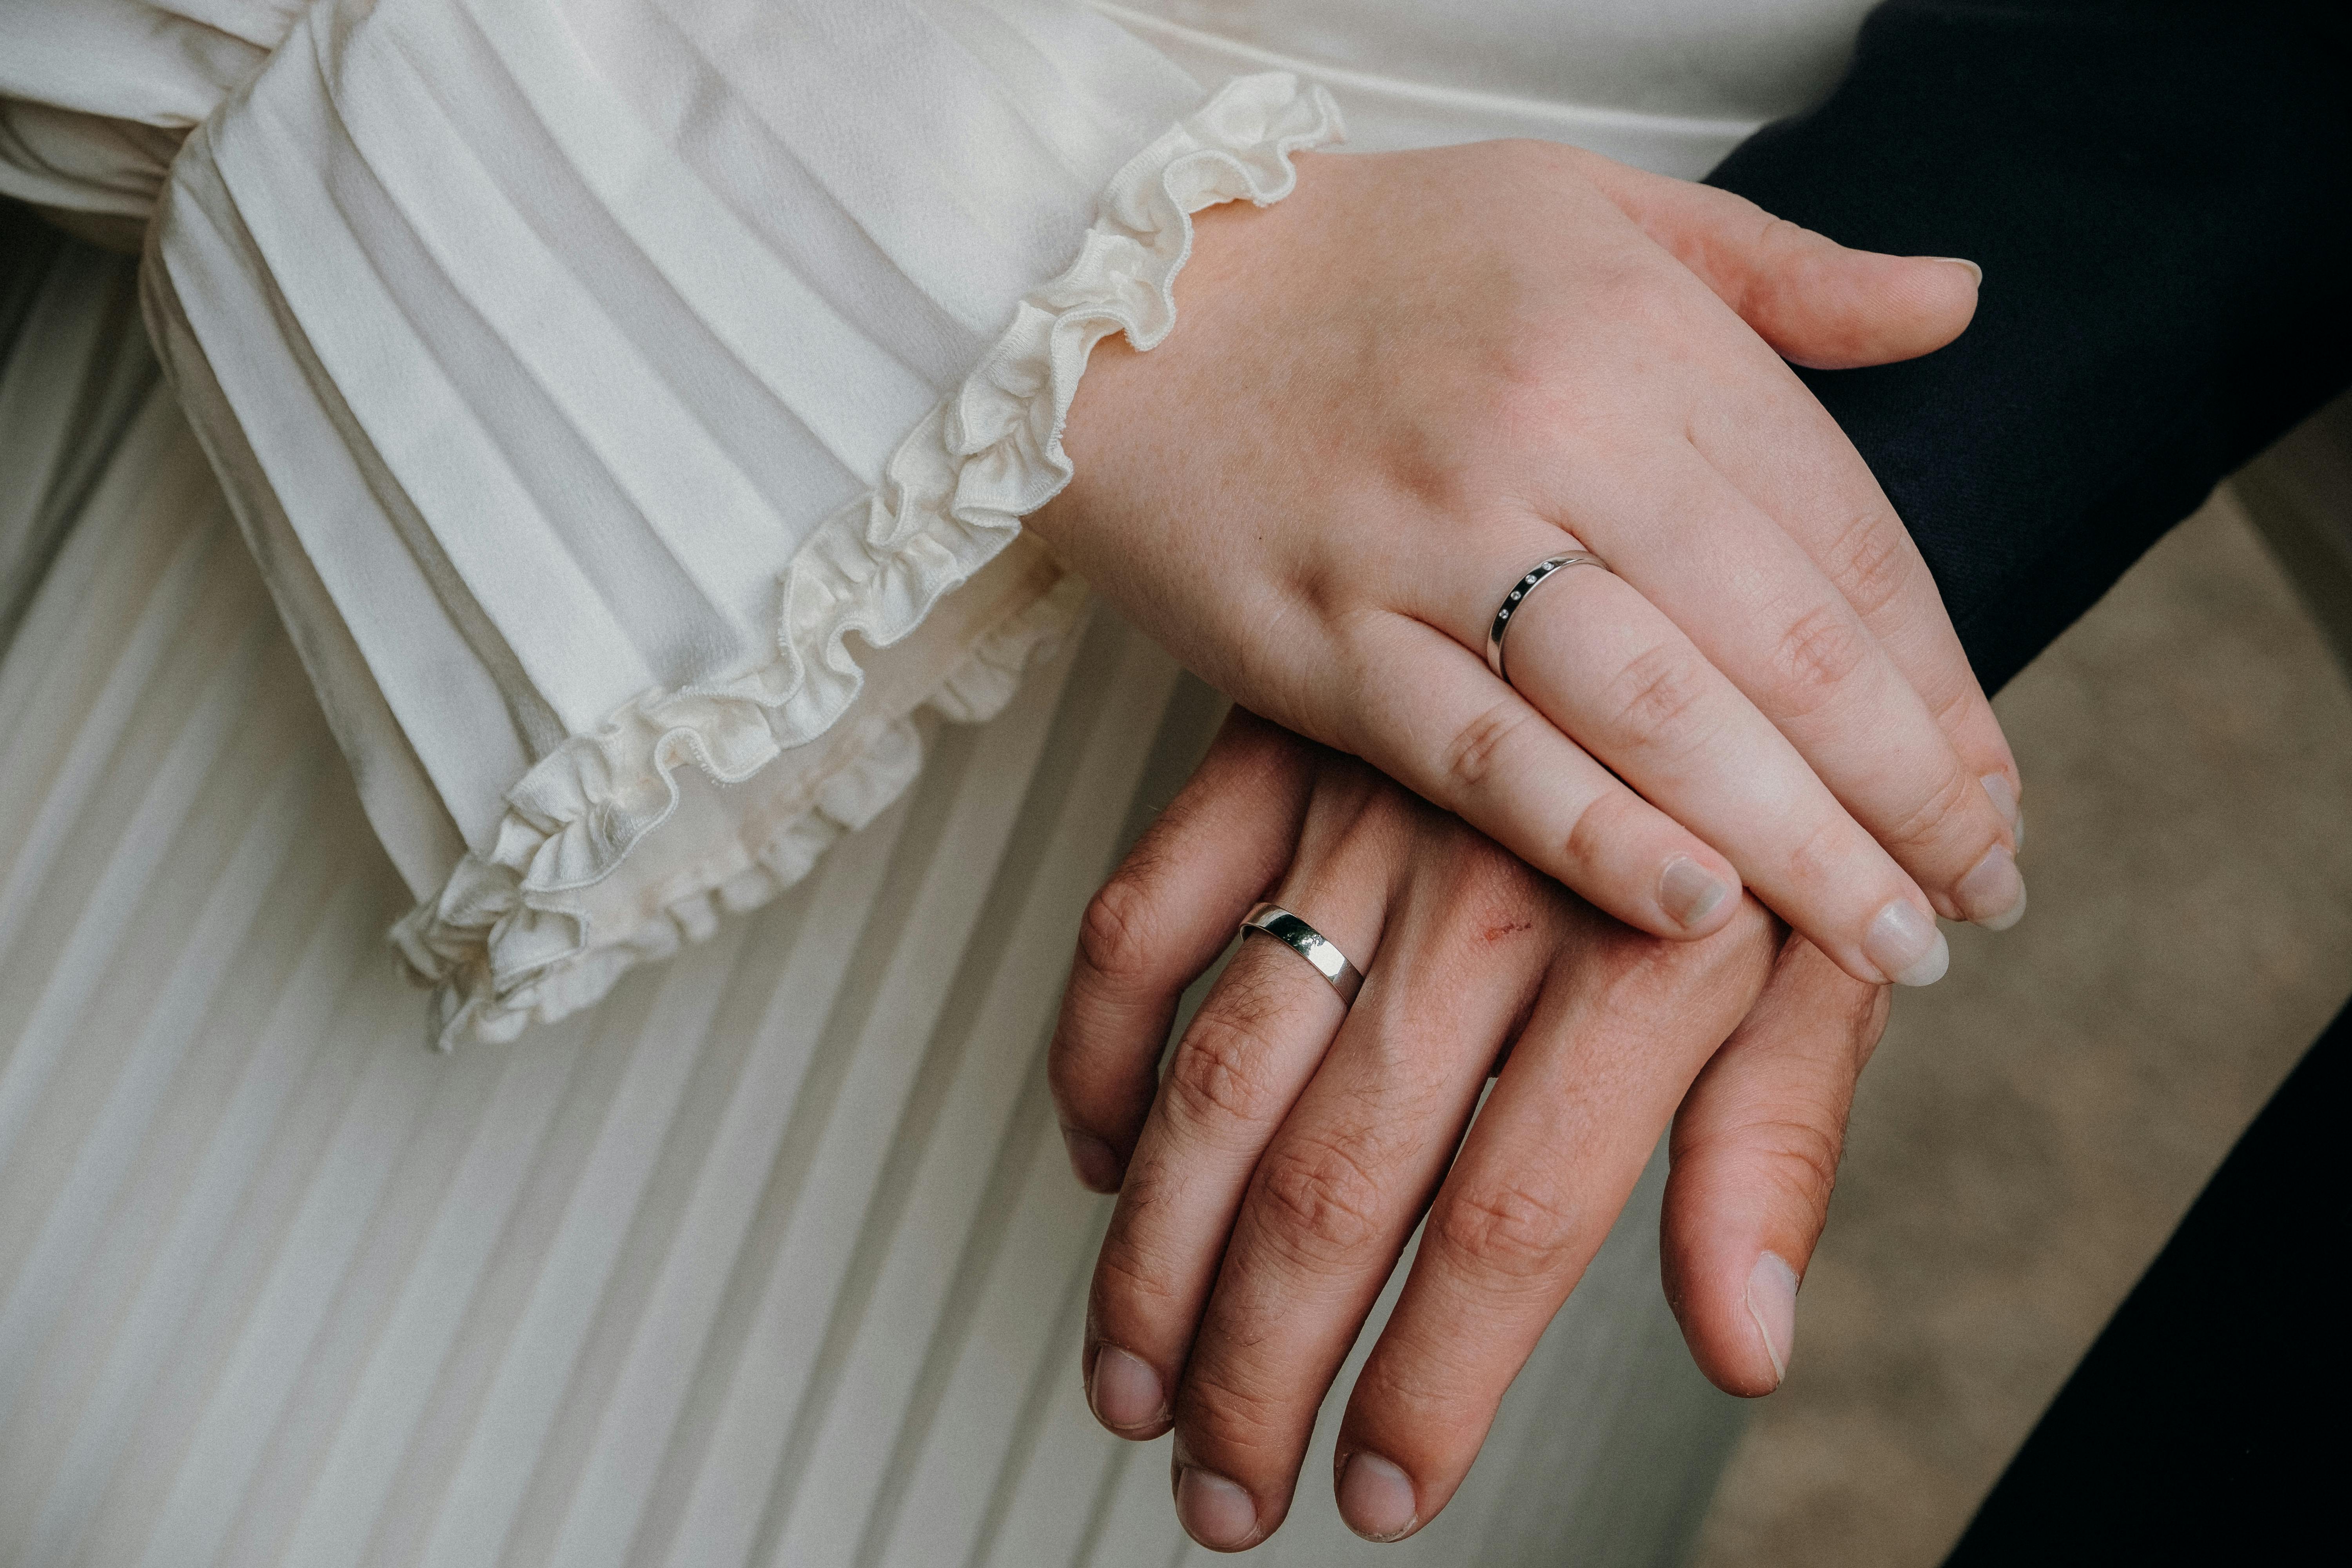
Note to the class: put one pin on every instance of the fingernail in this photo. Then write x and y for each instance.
(2003, 795)
(1904, 942)
(1975, 273)
(1125, 1391)
(1376, 1499)
(2017, 829)
(1688, 891)
(1773, 1303)
(1091, 1159)
(1213, 1511)
(1992, 894)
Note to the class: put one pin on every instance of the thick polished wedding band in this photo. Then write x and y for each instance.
(1309, 944)
(1518, 596)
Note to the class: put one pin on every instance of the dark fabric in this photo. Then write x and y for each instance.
(2201, 1427)
(2161, 195)
(2161, 198)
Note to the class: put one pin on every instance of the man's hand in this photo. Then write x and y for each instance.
(1399, 388)
(1269, 1185)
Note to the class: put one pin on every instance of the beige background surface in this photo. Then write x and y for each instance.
(2032, 1127)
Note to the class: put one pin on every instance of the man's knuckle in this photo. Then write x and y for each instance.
(1222, 1072)
(1129, 1281)
(1515, 1232)
(1234, 1415)
(1798, 1157)
(1116, 935)
(1323, 1205)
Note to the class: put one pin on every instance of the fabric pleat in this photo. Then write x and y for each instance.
(587, 375)
(772, 1257)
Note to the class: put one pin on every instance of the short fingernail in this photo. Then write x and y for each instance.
(1091, 1157)
(1975, 273)
(1376, 1499)
(1125, 1391)
(1213, 1511)
(1992, 894)
(1773, 1303)
(2017, 829)
(1688, 891)
(2003, 795)
(1904, 942)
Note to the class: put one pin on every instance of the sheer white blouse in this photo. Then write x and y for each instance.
(632, 403)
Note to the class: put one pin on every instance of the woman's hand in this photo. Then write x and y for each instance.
(1421, 374)
(1271, 1181)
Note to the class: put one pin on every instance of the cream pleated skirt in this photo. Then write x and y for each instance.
(770, 1258)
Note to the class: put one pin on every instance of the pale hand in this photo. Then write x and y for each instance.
(1394, 391)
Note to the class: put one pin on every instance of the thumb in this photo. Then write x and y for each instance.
(1816, 302)
(1754, 1153)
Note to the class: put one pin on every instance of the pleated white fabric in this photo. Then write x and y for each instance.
(772, 1259)
(587, 374)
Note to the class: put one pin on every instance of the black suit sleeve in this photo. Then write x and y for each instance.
(2161, 198)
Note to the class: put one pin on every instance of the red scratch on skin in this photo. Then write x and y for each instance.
(1509, 927)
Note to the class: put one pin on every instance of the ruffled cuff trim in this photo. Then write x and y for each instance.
(509, 940)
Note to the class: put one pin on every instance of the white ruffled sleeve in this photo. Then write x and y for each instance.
(632, 404)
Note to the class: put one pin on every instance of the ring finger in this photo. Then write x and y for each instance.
(1613, 673)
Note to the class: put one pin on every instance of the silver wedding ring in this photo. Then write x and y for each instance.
(1309, 944)
(1518, 596)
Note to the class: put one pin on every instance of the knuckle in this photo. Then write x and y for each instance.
(1946, 810)
(1825, 855)
(1817, 653)
(1321, 1202)
(1774, 233)
(1474, 755)
(1870, 560)
(1798, 1158)
(1127, 1283)
(1515, 1234)
(1953, 703)
(1657, 695)
(1233, 1416)
(1114, 935)
(1770, 291)
(1222, 1074)
(1597, 833)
